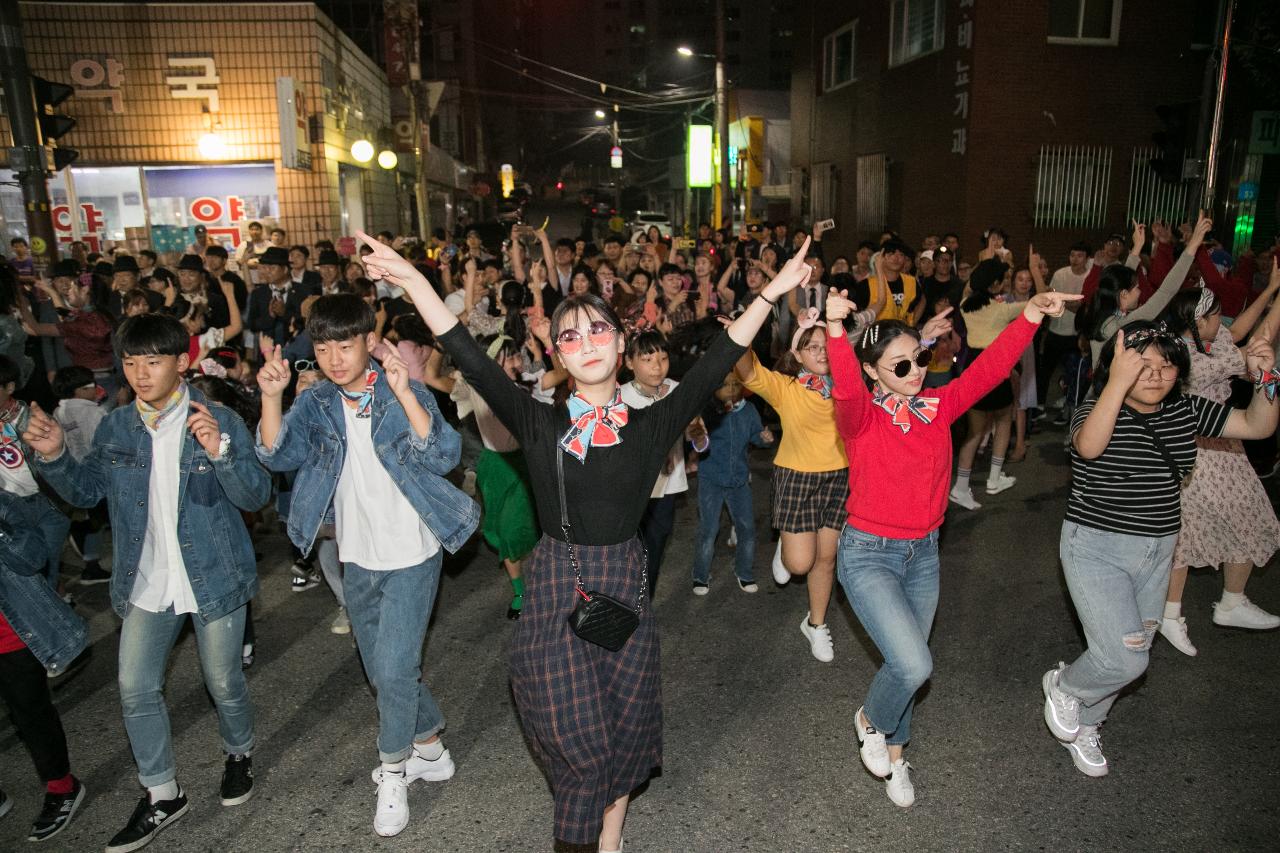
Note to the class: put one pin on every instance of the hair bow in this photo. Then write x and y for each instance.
(1159, 330)
(212, 367)
(496, 346)
(1205, 303)
(924, 408)
(1268, 383)
(806, 319)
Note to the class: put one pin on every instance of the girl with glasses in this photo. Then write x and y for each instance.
(593, 717)
(888, 550)
(1132, 446)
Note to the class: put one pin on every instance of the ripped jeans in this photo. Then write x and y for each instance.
(1118, 584)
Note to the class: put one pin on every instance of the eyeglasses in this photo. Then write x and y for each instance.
(303, 365)
(570, 340)
(921, 359)
(815, 349)
(1164, 372)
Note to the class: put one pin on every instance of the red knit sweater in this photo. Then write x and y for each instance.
(898, 482)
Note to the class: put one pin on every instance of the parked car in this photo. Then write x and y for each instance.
(642, 219)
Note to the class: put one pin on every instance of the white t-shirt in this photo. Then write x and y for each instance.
(677, 481)
(377, 528)
(79, 420)
(1065, 281)
(15, 474)
(162, 574)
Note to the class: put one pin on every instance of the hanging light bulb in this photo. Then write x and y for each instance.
(212, 146)
(387, 158)
(362, 150)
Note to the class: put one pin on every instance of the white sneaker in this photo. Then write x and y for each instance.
(1061, 710)
(780, 574)
(341, 623)
(899, 786)
(871, 746)
(1175, 631)
(393, 805)
(1086, 752)
(422, 769)
(748, 586)
(819, 638)
(700, 588)
(995, 487)
(1246, 614)
(963, 497)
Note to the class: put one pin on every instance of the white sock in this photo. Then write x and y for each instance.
(962, 479)
(429, 751)
(997, 462)
(167, 791)
(398, 767)
(1230, 599)
(1172, 609)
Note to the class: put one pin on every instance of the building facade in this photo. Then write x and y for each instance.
(928, 116)
(216, 115)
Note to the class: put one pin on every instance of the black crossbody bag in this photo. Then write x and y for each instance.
(598, 618)
(1160, 447)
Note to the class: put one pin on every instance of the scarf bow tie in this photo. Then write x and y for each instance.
(814, 382)
(1269, 382)
(593, 426)
(924, 408)
(362, 399)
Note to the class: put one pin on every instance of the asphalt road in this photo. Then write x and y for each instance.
(760, 753)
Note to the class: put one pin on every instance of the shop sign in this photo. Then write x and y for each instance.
(201, 85)
(208, 210)
(1265, 135)
(295, 140)
(99, 78)
(94, 222)
(960, 107)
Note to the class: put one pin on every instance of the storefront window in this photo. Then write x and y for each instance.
(106, 202)
(225, 199)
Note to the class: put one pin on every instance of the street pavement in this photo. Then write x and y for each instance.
(760, 754)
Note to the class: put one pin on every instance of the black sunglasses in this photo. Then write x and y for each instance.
(903, 367)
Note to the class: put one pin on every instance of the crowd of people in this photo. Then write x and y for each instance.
(577, 390)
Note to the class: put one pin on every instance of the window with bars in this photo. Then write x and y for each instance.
(822, 192)
(915, 29)
(1084, 21)
(1072, 186)
(1151, 198)
(873, 192)
(837, 57)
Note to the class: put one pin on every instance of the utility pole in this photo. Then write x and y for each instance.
(27, 157)
(724, 198)
(1215, 132)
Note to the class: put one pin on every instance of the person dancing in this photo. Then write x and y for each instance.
(592, 716)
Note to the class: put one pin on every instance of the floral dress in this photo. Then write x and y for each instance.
(1226, 515)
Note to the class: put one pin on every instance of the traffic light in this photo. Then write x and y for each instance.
(48, 96)
(1173, 141)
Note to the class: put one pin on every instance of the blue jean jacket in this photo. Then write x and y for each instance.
(313, 441)
(42, 620)
(216, 548)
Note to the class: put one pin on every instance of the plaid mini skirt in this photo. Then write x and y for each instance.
(806, 501)
(593, 717)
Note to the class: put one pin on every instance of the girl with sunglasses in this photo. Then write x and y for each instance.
(1132, 446)
(593, 717)
(809, 483)
(888, 552)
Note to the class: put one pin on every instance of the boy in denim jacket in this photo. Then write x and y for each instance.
(371, 451)
(39, 634)
(176, 470)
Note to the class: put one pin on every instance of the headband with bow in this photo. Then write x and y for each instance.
(1159, 330)
(806, 319)
(1205, 303)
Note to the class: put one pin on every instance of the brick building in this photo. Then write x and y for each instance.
(179, 123)
(929, 116)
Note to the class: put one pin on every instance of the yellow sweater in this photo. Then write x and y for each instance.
(983, 326)
(810, 441)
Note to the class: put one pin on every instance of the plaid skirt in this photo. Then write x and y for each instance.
(593, 717)
(805, 501)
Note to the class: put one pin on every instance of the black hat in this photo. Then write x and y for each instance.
(164, 274)
(125, 263)
(987, 273)
(216, 250)
(328, 257)
(1118, 237)
(191, 262)
(104, 269)
(275, 256)
(893, 244)
(65, 268)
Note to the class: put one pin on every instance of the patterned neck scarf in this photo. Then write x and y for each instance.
(593, 426)
(924, 408)
(363, 399)
(153, 416)
(814, 382)
(281, 291)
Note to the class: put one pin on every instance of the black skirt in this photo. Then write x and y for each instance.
(593, 717)
(999, 397)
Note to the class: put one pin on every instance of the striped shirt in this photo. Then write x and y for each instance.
(1129, 489)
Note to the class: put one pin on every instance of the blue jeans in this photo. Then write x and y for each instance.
(54, 527)
(145, 642)
(1118, 585)
(893, 587)
(712, 496)
(389, 612)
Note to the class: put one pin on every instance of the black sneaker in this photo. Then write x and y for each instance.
(93, 574)
(57, 813)
(6, 804)
(304, 582)
(237, 780)
(147, 822)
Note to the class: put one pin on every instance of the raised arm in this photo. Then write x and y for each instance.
(794, 273)
(1248, 318)
(849, 391)
(1259, 420)
(1154, 307)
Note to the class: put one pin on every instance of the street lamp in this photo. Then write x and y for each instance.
(599, 113)
(387, 158)
(212, 146)
(362, 151)
(723, 198)
(684, 51)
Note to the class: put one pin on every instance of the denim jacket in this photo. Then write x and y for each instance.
(313, 441)
(42, 620)
(216, 548)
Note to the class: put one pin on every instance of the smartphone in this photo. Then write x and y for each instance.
(826, 224)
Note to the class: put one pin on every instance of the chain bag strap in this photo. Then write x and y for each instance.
(597, 618)
(1160, 447)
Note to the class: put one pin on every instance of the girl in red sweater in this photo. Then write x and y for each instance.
(900, 444)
